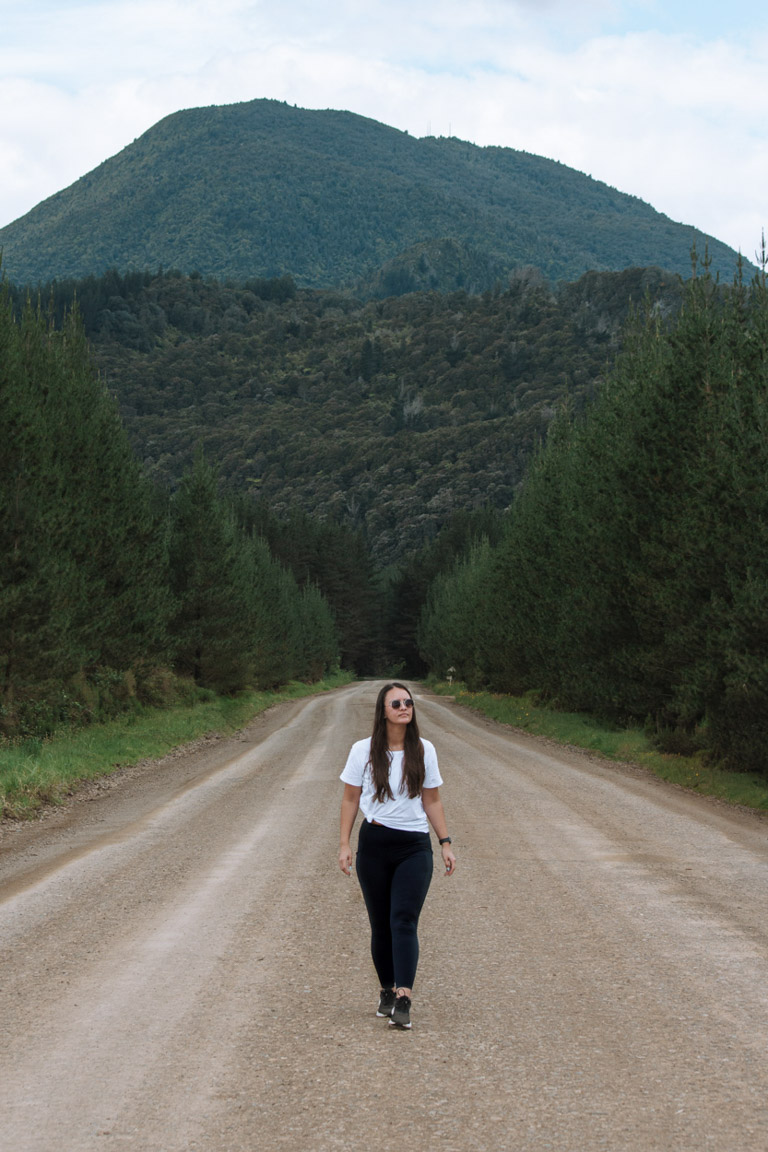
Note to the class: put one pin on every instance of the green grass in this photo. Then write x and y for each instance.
(35, 772)
(631, 745)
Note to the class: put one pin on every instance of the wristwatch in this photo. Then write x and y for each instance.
(445, 840)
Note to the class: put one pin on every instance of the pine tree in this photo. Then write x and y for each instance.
(39, 584)
(733, 675)
(319, 641)
(83, 586)
(455, 631)
(115, 525)
(210, 580)
(274, 639)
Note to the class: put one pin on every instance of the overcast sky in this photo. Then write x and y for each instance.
(664, 99)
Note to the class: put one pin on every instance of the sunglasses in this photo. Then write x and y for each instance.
(401, 704)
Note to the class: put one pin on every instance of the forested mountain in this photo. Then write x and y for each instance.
(385, 415)
(331, 198)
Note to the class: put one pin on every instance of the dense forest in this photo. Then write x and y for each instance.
(337, 200)
(631, 578)
(559, 491)
(386, 416)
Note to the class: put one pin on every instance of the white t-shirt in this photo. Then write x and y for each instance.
(401, 811)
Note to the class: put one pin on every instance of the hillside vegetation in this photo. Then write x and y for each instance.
(332, 199)
(387, 416)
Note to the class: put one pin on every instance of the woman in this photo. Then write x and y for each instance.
(393, 776)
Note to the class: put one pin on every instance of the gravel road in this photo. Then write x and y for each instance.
(183, 966)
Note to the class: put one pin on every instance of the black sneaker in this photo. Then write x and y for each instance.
(386, 1002)
(401, 1014)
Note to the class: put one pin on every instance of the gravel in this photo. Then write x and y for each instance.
(183, 966)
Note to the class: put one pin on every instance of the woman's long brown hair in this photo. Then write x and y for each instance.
(413, 751)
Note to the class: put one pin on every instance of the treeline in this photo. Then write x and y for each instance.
(107, 584)
(632, 578)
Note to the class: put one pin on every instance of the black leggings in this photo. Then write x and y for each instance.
(394, 869)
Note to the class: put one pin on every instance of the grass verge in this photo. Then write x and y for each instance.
(628, 744)
(37, 772)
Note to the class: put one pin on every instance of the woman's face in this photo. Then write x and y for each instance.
(399, 714)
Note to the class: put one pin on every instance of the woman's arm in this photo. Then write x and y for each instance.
(350, 802)
(433, 806)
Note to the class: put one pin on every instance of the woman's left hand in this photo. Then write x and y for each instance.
(448, 859)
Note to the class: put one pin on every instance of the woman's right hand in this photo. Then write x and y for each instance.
(350, 804)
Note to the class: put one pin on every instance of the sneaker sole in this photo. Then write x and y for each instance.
(396, 1024)
(384, 1015)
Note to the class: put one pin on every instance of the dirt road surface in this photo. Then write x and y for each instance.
(183, 966)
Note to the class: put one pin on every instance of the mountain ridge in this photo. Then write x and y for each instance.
(330, 197)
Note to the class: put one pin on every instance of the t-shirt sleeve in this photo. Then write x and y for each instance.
(432, 777)
(355, 765)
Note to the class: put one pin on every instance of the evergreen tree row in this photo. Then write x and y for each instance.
(103, 581)
(632, 579)
(335, 559)
(240, 616)
(409, 585)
